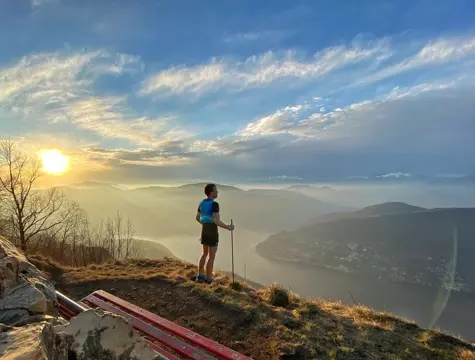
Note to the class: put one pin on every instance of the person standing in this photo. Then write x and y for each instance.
(208, 216)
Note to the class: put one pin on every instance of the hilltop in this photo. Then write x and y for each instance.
(387, 208)
(265, 323)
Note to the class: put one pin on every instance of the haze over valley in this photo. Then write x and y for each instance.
(375, 254)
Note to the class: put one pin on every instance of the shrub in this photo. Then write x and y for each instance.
(276, 295)
(236, 286)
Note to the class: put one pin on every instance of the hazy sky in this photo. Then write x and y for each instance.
(143, 91)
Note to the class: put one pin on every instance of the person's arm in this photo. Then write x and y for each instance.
(217, 218)
(198, 215)
(219, 223)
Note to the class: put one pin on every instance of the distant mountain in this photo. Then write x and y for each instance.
(201, 186)
(454, 180)
(168, 211)
(392, 241)
(388, 208)
(398, 177)
(306, 187)
(92, 184)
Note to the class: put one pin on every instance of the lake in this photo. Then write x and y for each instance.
(413, 302)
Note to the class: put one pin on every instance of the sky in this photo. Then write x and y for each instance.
(244, 91)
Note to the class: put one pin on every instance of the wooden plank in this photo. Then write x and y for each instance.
(145, 328)
(67, 313)
(211, 346)
(161, 351)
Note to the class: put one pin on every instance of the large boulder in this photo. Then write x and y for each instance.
(24, 292)
(105, 336)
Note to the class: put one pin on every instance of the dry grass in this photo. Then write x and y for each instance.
(267, 323)
(276, 296)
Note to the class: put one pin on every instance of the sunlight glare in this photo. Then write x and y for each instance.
(54, 162)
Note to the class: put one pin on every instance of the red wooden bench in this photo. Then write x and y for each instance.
(163, 336)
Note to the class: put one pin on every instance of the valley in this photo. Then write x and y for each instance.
(427, 247)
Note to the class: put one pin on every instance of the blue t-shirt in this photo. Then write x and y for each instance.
(206, 209)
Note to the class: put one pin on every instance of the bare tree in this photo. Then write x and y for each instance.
(32, 211)
(119, 237)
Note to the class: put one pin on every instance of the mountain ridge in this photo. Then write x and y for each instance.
(156, 211)
(414, 247)
(382, 209)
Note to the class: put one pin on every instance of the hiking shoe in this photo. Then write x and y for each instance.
(209, 280)
(200, 278)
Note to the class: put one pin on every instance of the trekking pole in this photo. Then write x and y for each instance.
(232, 249)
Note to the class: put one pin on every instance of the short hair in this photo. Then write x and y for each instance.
(209, 188)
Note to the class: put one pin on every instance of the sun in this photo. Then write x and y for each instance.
(54, 162)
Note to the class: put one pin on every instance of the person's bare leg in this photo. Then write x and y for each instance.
(210, 263)
(201, 268)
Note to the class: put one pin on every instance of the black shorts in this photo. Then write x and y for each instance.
(209, 235)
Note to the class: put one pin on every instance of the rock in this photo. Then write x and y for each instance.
(105, 336)
(22, 287)
(9, 317)
(31, 342)
(25, 296)
(39, 318)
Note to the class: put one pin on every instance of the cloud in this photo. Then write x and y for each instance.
(271, 67)
(56, 88)
(358, 177)
(108, 118)
(141, 156)
(435, 52)
(232, 146)
(273, 124)
(397, 175)
(41, 81)
(401, 92)
(443, 50)
(182, 79)
(285, 178)
(243, 37)
(287, 121)
(44, 78)
(267, 36)
(341, 121)
(259, 70)
(38, 3)
(450, 176)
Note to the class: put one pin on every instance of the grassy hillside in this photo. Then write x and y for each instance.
(266, 323)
